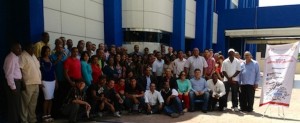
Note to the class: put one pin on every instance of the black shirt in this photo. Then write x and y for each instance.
(137, 90)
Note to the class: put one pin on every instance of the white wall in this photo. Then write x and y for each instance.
(74, 19)
(148, 14)
(190, 18)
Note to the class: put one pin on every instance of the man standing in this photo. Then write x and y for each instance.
(231, 68)
(38, 46)
(157, 69)
(249, 79)
(199, 91)
(179, 63)
(211, 64)
(195, 62)
(13, 77)
(32, 78)
(69, 46)
(136, 51)
(89, 48)
(153, 99)
(72, 68)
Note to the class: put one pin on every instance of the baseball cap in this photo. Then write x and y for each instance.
(231, 50)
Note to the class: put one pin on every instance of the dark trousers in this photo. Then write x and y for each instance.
(129, 102)
(234, 93)
(247, 97)
(59, 96)
(213, 101)
(159, 83)
(74, 111)
(14, 103)
(174, 107)
(204, 97)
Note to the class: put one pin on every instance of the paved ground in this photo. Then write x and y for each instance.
(292, 114)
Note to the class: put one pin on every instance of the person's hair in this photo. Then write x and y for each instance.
(43, 51)
(27, 46)
(83, 54)
(221, 57)
(93, 57)
(181, 73)
(45, 33)
(102, 77)
(214, 73)
(73, 48)
(197, 69)
(14, 43)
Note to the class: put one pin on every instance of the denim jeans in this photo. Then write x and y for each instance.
(204, 97)
(174, 107)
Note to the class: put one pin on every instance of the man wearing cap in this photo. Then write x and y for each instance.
(231, 68)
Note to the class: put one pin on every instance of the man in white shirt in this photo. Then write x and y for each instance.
(231, 68)
(179, 63)
(13, 77)
(217, 91)
(195, 62)
(157, 69)
(32, 78)
(153, 99)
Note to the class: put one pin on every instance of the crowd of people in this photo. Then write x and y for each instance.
(85, 81)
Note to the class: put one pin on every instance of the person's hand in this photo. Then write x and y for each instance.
(200, 93)
(255, 86)
(179, 93)
(41, 86)
(148, 107)
(168, 100)
(56, 85)
(217, 96)
(122, 92)
(186, 93)
(14, 91)
(230, 79)
(87, 106)
(197, 93)
(120, 101)
(160, 107)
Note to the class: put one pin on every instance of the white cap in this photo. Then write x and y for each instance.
(231, 50)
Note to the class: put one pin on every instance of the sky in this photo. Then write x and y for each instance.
(263, 3)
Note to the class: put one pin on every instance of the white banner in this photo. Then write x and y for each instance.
(280, 66)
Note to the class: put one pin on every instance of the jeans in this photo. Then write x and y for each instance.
(204, 97)
(213, 101)
(175, 106)
(234, 93)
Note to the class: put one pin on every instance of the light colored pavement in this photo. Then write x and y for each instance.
(292, 114)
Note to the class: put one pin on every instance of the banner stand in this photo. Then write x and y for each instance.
(279, 112)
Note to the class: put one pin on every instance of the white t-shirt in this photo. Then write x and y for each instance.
(217, 88)
(158, 67)
(179, 65)
(153, 98)
(230, 68)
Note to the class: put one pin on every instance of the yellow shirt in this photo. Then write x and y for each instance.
(38, 48)
(30, 67)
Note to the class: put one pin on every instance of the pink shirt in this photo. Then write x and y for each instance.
(211, 65)
(12, 69)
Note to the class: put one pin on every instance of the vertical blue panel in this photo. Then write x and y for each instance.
(201, 24)
(209, 30)
(178, 36)
(221, 5)
(113, 33)
(36, 12)
(241, 4)
(252, 49)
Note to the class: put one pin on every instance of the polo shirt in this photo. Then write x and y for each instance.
(73, 66)
(195, 63)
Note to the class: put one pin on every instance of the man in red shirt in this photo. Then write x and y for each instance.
(72, 67)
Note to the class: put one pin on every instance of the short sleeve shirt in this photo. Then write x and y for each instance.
(230, 68)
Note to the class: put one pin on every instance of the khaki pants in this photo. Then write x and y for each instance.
(28, 103)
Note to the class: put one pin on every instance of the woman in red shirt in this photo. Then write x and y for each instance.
(96, 70)
(219, 66)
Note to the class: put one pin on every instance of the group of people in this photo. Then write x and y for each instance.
(84, 81)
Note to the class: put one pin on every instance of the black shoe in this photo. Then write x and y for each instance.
(174, 115)
(204, 111)
(192, 110)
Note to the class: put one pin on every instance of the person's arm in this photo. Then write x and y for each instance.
(84, 71)
(146, 97)
(141, 95)
(186, 66)
(257, 76)
(189, 86)
(205, 65)
(154, 68)
(160, 98)
(9, 67)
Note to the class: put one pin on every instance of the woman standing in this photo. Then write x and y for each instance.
(219, 66)
(48, 82)
(97, 72)
(184, 87)
(119, 66)
(86, 69)
(109, 70)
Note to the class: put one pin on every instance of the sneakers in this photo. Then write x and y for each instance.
(225, 108)
(174, 115)
(236, 109)
(185, 110)
(117, 114)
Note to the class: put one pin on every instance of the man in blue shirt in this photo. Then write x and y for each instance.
(199, 91)
(249, 79)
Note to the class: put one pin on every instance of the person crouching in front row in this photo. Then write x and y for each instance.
(153, 99)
